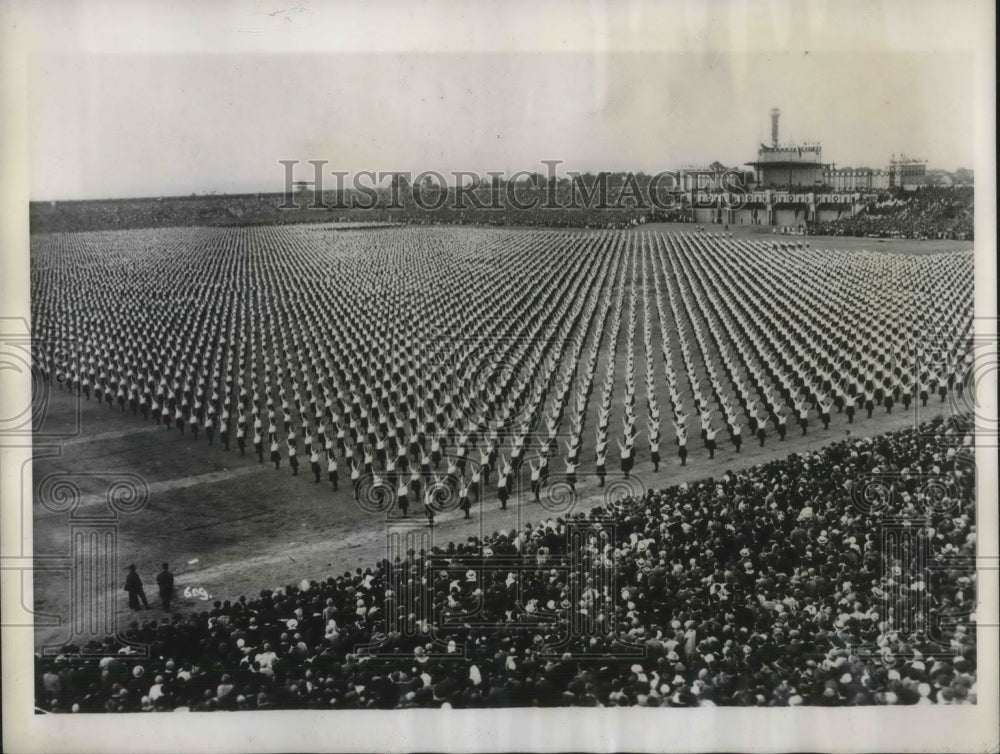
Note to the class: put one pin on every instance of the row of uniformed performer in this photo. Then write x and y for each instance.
(779, 418)
(740, 333)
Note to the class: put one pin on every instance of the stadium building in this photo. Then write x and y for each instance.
(855, 179)
(906, 172)
(787, 166)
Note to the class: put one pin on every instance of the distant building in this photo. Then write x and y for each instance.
(850, 179)
(787, 166)
(799, 168)
(712, 178)
(907, 172)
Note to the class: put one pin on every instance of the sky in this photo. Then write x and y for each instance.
(128, 123)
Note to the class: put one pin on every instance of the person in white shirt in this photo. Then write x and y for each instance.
(314, 464)
(402, 498)
(601, 469)
(331, 468)
(710, 444)
(503, 487)
(626, 457)
(803, 409)
(429, 504)
(356, 479)
(571, 466)
(464, 502)
(849, 407)
(737, 435)
(824, 411)
(536, 481)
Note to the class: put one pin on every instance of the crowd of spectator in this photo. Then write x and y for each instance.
(825, 578)
(162, 212)
(927, 212)
(529, 204)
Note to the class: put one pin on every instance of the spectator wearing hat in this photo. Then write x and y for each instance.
(133, 586)
(165, 583)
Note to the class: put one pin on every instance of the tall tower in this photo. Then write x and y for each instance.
(775, 112)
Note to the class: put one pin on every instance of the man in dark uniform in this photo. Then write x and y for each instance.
(165, 581)
(133, 585)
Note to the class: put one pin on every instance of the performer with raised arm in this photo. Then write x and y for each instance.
(314, 464)
(485, 462)
(849, 400)
(224, 428)
(626, 457)
(503, 481)
(825, 407)
(402, 499)
(464, 501)
(331, 468)
(653, 431)
(706, 422)
(536, 478)
(571, 466)
(803, 410)
(436, 451)
(293, 458)
(710, 444)
(601, 469)
(429, 500)
(258, 445)
(275, 452)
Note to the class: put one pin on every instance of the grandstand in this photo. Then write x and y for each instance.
(925, 213)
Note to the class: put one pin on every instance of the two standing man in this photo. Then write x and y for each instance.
(137, 594)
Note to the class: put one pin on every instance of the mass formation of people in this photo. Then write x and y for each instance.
(434, 366)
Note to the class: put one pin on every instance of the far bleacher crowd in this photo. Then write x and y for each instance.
(927, 212)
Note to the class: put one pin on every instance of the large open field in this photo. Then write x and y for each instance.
(460, 311)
